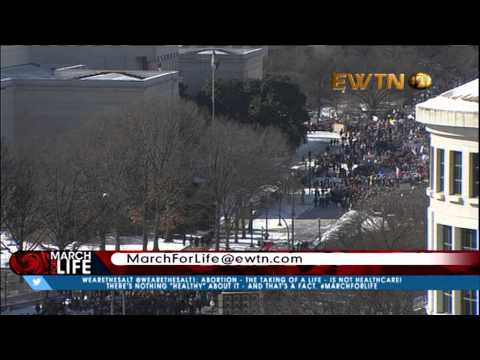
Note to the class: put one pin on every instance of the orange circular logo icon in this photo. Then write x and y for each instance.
(420, 81)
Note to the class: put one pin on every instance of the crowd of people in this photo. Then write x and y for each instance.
(128, 303)
(368, 156)
(342, 303)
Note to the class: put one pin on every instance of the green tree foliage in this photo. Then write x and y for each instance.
(274, 101)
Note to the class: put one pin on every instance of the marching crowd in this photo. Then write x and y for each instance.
(368, 156)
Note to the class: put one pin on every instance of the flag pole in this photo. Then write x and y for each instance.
(213, 85)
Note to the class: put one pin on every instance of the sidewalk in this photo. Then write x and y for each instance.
(279, 227)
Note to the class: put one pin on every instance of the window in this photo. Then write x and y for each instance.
(447, 237)
(447, 301)
(457, 173)
(142, 63)
(432, 162)
(470, 302)
(474, 175)
(441, 165)
(469, 239)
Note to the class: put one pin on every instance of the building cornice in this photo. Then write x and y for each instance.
(430, 116)
(455, 108)
(92, 83)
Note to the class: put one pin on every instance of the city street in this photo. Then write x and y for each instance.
(279, 214)
(233, 148)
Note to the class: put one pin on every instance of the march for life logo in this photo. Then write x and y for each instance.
(73, 262)
(51, 262)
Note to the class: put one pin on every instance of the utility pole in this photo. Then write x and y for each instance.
(213, 85)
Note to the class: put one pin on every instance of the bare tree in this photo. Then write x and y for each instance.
(219, 169)
(391, 218)
(238, 161)
(97, 145)
(150, 159)
(21, 199)
(67, 213)
(173, 151)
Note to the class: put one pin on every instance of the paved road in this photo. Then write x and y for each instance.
(306, 224)
(330, 212)
(306, 220)
(307, 230)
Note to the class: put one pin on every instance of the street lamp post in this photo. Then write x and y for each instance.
(319, 229)
(280, 209)
(266, 223)
(213, 85)
(293, 218)
(309, 177)
(288, 230)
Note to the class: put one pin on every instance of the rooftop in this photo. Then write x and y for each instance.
(461, 99)
(110, 76)
(28, 71)
(76, 72)
(124, 75)
(466, 92)
(457, 107)
(218, 51)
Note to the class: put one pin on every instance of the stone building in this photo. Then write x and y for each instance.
(44, 99)
(125, 57)
(232, 63)
(452, 121)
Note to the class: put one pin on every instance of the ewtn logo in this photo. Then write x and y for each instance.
(381, 81)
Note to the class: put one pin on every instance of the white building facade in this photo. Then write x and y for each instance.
(125, 57)
(116, 57)
(452, 121)
(42, 94)
(47, 106)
